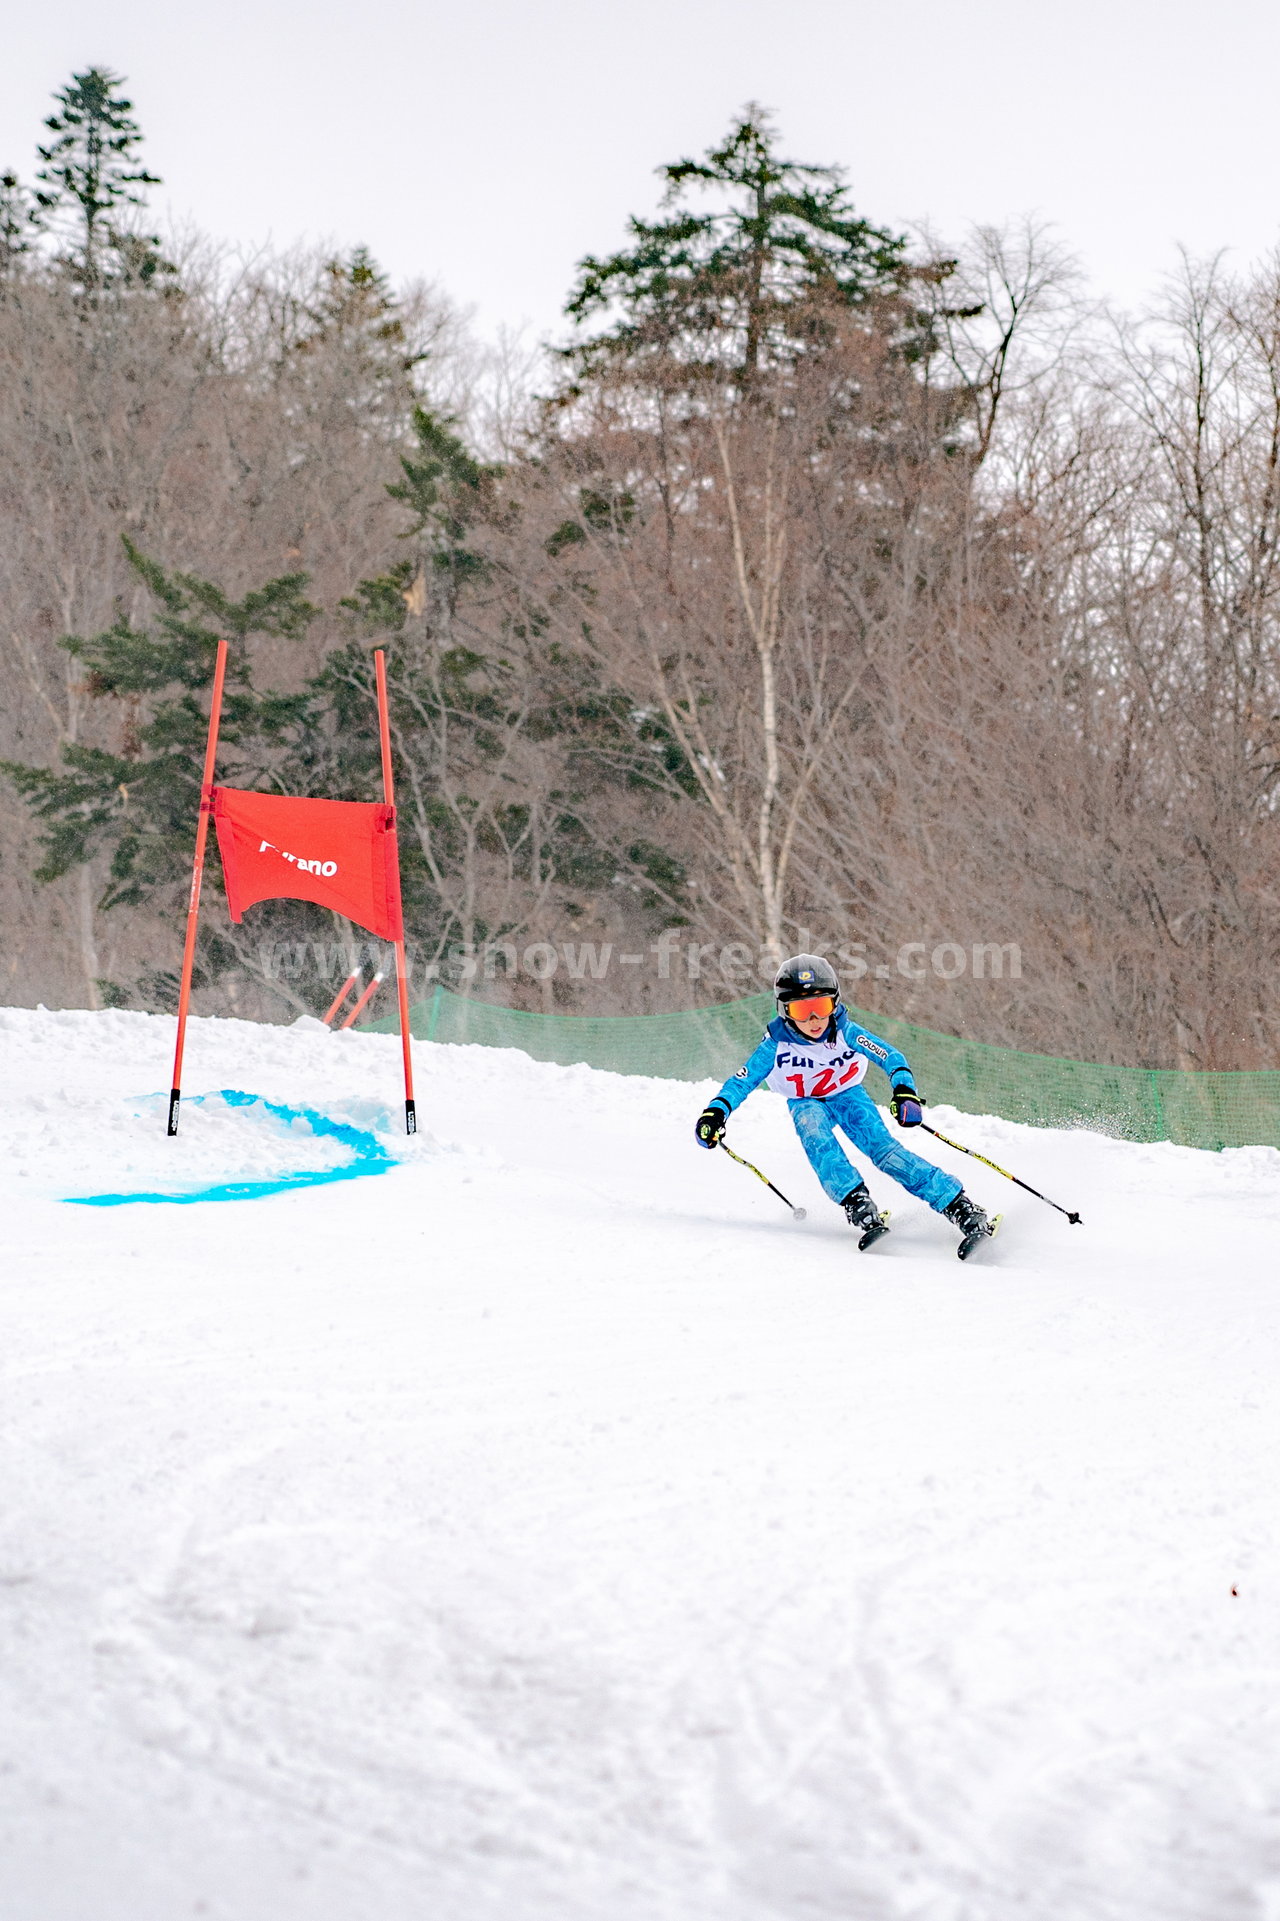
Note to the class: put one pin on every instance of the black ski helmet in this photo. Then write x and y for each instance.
(802, 976)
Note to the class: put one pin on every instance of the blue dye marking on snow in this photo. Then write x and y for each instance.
(369, 1156)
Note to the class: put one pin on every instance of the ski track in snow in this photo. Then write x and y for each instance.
(552, 1530)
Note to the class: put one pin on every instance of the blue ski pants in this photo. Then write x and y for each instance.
(858, 1118)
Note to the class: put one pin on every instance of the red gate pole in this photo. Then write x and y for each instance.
(402, 984)
(197, 872)
(343, 991)
(364, 1000)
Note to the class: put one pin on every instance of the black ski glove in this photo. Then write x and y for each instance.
(905, 1105)
(710, 1126)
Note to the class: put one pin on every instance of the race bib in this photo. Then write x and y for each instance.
(816, 1070)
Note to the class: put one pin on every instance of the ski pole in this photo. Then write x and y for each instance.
(797, 1212)
(948, 1142)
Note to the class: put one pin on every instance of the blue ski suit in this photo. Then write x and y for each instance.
(822, 1081)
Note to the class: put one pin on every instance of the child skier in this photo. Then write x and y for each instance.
(815, 1055)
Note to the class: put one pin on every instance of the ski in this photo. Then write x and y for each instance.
(971, 1241)
(870, 1235)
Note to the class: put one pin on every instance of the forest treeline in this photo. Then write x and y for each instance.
(822, 585)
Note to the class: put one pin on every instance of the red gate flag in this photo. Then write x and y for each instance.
(340, 853)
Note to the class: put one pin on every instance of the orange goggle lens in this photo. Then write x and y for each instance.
(805, 1010)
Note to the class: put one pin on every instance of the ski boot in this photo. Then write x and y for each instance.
(975, 1226)
(863, 1214)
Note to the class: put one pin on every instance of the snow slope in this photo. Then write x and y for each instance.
(549, 1529)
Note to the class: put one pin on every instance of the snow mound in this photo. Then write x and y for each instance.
(255, 1144)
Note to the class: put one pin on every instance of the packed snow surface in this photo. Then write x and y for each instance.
(550, 1529)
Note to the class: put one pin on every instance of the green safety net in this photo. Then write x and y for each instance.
(708, 1043)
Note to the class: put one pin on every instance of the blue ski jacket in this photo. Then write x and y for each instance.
(804, 1070)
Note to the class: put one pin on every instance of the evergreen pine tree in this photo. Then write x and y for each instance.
(354, 315)
(723, 290)
(355, 299)
(138, 800)
(19, 222)
(92, 163)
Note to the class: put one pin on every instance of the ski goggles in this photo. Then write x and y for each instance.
(823, 1004)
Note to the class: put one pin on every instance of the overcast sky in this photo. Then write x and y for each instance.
(488, 144)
